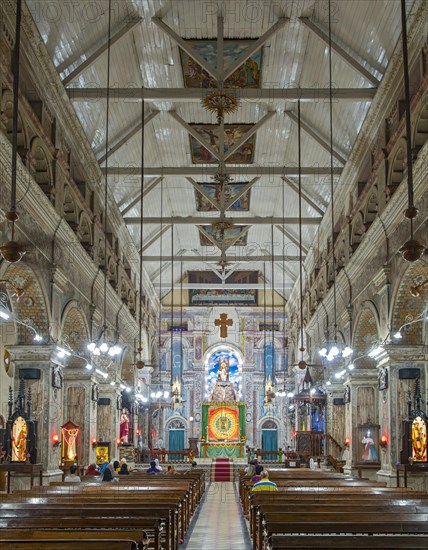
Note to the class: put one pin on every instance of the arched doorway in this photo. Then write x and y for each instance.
(270, 439)
(176, 438)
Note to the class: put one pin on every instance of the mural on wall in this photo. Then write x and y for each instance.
(248, 75)
(213, 190)
(231, 297)
(232, 134)
(223, 377)
(230, 235)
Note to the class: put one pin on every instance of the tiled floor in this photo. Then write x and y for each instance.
(218, 523)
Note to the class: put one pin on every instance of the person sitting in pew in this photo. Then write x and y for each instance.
(265, 484)
(158, 466)
(116, 466)
(152, 469)
(257, 476)
(124, 470)
(171, 470)
(92, 470)
(108, 476)
(72, 476)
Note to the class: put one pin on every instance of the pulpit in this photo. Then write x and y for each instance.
(310, 443)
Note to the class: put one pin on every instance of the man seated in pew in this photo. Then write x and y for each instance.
(265, 484)
(116, 466)
(171, 470)
(152, 469)
(92, 470)
(72, 477)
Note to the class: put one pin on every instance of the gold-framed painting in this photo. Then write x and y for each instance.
(102, 453)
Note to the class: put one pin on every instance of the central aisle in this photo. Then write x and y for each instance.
(219, 523)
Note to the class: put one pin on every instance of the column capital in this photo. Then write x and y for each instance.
(401, 353)
(382, 277)
(32, 353)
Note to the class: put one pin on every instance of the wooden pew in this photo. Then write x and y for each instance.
(362, 542)
(339, 523)
(73, 540)
(61, 544)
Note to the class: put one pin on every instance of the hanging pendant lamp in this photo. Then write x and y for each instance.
(140, 363)
(11, 250)
(333, 349)
(411, 250)
(302, 363)
(102, 350)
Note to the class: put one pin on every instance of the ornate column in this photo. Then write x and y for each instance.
(36, 366)
(360, 407)
(108, 416)
(393, 399)
(81, 407)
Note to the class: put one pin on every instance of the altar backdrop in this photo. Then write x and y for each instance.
(223, 421)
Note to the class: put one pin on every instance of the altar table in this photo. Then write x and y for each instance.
(223, 450)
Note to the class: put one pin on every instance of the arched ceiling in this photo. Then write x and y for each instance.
(291, 61)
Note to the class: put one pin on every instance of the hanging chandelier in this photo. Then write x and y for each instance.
(333, 349)
(221, 226)
(221, 104)
(103, 351)
(411, 250)
(11, 250)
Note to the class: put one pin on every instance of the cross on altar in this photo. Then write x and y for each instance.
(223, 323)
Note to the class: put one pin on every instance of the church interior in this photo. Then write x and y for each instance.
(213, 258)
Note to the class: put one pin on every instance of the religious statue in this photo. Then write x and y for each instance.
(19, 440)
(419, 440)
(382, 379)
(369, 454)
(71, 452)
(223, 371)
(124, 426)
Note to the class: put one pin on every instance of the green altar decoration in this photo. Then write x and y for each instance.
(222, 450)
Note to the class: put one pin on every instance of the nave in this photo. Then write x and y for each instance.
(219, 523)
(309, 508)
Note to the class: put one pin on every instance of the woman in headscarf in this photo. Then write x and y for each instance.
(108, 476)
(112, 469)
(157, 465)
(103, 468)
(93, 470)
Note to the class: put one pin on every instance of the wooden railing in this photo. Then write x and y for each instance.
(334, 447)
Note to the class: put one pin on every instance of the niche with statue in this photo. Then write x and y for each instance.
(414, 430)
(70, 443)
(19, 436)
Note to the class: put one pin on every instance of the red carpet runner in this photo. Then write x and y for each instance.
(221, 469)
